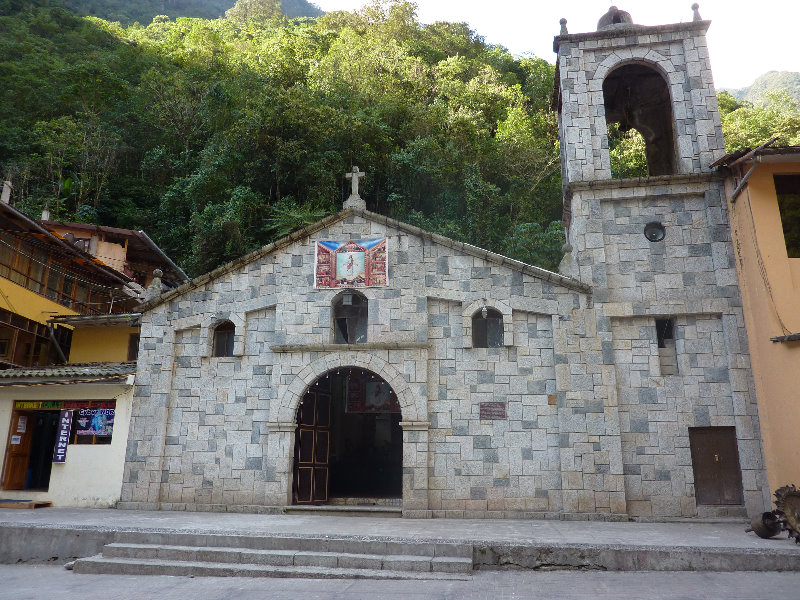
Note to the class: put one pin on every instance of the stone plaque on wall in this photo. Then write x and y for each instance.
(493, 410)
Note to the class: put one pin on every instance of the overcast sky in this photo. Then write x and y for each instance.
(746, 38)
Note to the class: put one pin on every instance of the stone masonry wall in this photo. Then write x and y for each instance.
(496, 465)
(689, 276)
(656, 411)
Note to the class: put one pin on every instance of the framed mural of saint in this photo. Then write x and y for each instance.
(351, 264)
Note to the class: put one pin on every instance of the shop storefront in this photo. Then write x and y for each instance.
(68, 451)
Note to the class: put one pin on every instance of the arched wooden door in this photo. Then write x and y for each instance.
(348, 441)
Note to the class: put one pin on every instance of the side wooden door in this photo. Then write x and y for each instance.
(715, 461)
(19, 450)
(312, 448)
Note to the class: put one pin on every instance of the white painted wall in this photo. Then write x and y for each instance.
(91, 477)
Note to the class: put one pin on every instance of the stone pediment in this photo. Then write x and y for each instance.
(310, 230)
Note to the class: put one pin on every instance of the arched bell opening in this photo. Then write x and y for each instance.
(348, 442)
(637, 97)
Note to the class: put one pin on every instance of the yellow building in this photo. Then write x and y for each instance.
(763, 190)
(68, 345)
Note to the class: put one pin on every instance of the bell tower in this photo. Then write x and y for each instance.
(655, 79)
(657, 253)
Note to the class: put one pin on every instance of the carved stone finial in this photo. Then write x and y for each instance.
(696, 11)
(614, 17)
(563, 27)
(155, 288)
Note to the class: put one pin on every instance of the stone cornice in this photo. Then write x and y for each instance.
(278, 427)
(284, 348)
(661, 181)
(625, 31)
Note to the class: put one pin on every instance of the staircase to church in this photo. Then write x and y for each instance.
(351, 507)
(221, 555)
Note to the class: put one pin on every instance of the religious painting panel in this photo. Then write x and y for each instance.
(355, 263)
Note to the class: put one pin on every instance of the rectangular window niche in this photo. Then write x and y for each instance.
(667, 354)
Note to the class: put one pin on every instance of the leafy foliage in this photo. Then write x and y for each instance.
(144, 11)
(218, 136)
(627, 153)
(747, 125)
(254, 9)
(537, 246)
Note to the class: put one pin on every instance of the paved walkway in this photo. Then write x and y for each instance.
(44, 582)
(728, 535)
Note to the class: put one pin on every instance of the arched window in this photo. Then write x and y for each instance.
(350, 314)
(223, 338)
(637, 97)
(487, 328)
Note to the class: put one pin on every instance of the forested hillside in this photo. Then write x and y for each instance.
(219, 136)
(770, 82)
(143, 11)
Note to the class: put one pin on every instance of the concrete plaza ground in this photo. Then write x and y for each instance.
(40, 582)
(45, 539)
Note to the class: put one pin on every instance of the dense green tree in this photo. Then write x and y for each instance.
(747, 125)
(254, 9)
(144, 11)
(626, 152)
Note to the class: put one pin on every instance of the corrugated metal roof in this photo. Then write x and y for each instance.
(762, 151)
(24, 223)
(140, 247)
(73, 371)
(124, 319)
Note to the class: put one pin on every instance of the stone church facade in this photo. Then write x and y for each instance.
(600, 392)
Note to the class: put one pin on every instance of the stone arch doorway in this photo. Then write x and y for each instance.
(348, 441)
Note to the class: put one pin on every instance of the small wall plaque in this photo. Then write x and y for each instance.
(493, 410)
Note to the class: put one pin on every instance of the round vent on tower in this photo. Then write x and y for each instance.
(654, 231)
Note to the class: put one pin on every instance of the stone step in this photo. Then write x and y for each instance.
(346, 545)
(345, 510)
(365, 502)
(288, 558)
(144, 566)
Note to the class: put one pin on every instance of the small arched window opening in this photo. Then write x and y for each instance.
(350, 315)
(636, 97)
(487, 328)
(223, 339)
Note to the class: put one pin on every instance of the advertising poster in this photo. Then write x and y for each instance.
(95, 421)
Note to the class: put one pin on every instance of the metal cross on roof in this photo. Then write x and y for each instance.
(355, 176)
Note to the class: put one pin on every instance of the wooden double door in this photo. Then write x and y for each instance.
(312, 448)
